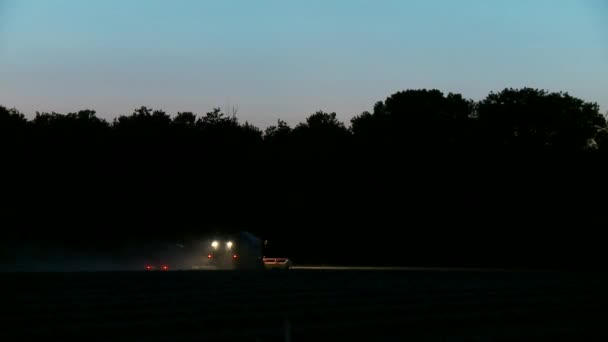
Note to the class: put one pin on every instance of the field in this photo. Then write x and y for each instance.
(306, 305)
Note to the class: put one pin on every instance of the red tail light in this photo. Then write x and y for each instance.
(210, 256)
(235, 256)
(165, 267)
(148, 267)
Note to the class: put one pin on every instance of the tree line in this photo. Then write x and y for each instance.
(511, 121)
(440, 168)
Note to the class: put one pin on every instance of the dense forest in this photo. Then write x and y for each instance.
(426, 178)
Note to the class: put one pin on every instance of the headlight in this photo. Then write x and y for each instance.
(229, 244)
(215, 244)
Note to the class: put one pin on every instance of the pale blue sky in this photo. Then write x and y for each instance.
(286, 59)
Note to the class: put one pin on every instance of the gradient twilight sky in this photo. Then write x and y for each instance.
(286, 59)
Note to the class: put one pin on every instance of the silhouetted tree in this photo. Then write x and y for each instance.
(144, 121)
(184, 133)
(11, 118)
(530, 120)
(321, 128)
(14, 135)
(81, 133)
(185, 119)
(278, 133)
(251, 133)
(421, 121)
(12, 125)
(224, 133)
(216, 118)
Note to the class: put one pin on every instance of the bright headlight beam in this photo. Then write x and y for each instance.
(229, 244)
(215, 244)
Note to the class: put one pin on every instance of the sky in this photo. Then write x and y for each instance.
(285, 59)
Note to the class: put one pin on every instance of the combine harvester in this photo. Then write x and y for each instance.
(238, 251)
(241, 251)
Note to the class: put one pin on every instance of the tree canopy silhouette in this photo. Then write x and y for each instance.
(530, 120)
(438, 167)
